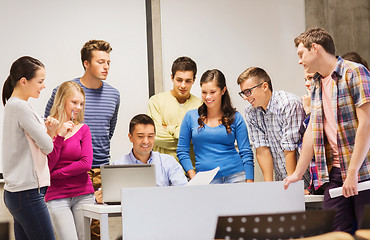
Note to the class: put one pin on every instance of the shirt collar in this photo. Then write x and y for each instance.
(337, 73)
(270, 105)
(136, 161)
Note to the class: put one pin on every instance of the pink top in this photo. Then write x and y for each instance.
(330, 124)
(69, 163)
(40, 163)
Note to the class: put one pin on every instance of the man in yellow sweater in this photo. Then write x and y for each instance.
(168, 108)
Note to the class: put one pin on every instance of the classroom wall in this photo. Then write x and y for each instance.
(55, 31)
(347, 21)
(232, 36)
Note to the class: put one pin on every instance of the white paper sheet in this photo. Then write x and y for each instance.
(203, 178)
(336, 192)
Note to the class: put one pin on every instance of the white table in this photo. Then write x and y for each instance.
(313, 202)
(100, 212)
(103, 212)
(197, 208)
(313, 198)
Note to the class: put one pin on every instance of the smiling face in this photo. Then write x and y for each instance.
(74, 104)
(182, 83)
(99, 65)
(260, 96)
(142, 139)
(212, 94)
(36, 84)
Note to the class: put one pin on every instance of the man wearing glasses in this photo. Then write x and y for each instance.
(273, 120)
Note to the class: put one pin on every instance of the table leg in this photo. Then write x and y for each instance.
(104, 227)
(87, 227)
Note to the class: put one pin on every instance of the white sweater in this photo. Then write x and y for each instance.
(18, 164)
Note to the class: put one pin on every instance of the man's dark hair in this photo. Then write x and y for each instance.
(92, 45)
(316, 35)
(140, 119)
(260, 75)
(355, 57)
(184, 64)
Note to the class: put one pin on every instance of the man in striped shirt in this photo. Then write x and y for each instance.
(102, 104)
(338, 132)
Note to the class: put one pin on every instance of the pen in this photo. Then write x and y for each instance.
(72, 116)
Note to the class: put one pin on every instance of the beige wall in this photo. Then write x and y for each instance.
(348, 22)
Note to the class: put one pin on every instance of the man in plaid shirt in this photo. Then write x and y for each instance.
(273, 120)
(338, 132)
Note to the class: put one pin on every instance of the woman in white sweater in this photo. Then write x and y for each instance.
(25, 145)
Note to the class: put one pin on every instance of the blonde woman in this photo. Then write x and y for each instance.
(69, 162)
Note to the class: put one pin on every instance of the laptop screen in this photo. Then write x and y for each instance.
(115, 177)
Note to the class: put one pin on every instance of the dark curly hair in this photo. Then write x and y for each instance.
(228, 111)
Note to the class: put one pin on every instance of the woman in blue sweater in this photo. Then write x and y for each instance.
(213, 129)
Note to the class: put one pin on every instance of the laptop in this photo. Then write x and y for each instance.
(115, 177)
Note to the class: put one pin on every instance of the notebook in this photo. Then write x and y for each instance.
(115, 177)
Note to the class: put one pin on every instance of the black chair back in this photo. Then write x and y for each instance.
(275, 226)
(4, 231)
(365, 223)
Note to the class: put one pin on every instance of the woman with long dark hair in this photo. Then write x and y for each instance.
(213, 129)
(25, 145)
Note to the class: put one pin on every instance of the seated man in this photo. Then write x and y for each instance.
(142, 133)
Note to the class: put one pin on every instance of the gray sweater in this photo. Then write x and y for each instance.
(18, 165)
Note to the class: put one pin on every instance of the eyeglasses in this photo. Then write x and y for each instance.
(309, 78)
(248, 92)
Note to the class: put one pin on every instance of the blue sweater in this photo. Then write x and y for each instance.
(101, 110)
(213, 147)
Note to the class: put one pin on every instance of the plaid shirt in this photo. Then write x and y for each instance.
(351, 89)
(276, 128)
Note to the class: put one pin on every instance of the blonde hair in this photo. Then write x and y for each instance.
(64, 92)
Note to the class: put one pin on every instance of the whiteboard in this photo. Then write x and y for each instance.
(190, 212)
(232, 35)
(55, 31)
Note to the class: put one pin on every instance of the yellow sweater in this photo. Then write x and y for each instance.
(166, 110)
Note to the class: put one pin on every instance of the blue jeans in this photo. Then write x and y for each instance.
(31, 216)
(233, 178)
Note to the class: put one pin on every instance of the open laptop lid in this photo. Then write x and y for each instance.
(115, 177)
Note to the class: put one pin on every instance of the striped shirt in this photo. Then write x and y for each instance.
(276, 128)
(351, 89)
(101, 110)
